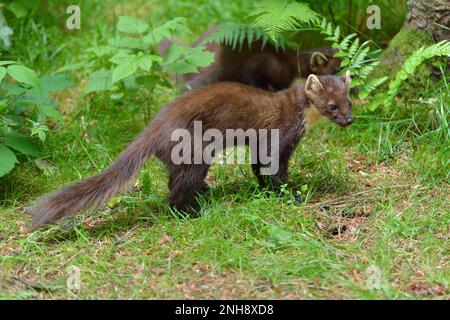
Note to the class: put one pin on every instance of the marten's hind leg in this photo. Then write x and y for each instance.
(185, 183)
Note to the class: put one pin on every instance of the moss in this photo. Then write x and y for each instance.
(405, 43)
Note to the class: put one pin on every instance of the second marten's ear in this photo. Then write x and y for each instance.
(347, 77)
(317, 59)
(313, 84)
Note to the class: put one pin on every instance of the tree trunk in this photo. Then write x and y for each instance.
(427, 22)
(432, 16)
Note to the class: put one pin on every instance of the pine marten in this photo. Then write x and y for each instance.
(258, 65)
(264, 68)
(220, 106)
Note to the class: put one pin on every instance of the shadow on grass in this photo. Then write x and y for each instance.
(145, 213)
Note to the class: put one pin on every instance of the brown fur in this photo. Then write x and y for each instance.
(261, 66)
(221, 106)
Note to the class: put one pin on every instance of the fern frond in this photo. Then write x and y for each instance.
(353, 48)
(359, 59)
(370, 86)
(232, 34)
(417, 58)
(275, 17)
(345, 43)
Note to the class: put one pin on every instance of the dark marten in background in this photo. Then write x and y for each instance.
(261, 66)
(264, 68)
(221, 106)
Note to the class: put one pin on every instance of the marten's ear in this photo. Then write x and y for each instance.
(313, 84)
(317, 60)
(347, 77)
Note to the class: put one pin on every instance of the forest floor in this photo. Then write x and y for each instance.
(370, 218)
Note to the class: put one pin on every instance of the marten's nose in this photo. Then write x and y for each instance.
(349, 121)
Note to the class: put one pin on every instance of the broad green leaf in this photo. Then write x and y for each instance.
(122, 57)
(99, 81)
(12, 89)
(48, 111)
(2, 73)
(52, 83)
(180, 67)
(19, 10)
(166, 30)
(21, 143)
(23, 74)
(186, 60)
(2, 63)
(8, 160)
(124, 70)
(35, 96)
(145, 62)
(278, 234)
(131, 25)
(40, 130)
(101, 51)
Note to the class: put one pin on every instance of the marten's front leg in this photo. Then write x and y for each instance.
(279, 179)
(256, 167)
(276, 180)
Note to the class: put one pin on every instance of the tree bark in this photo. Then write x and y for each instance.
(432, 16)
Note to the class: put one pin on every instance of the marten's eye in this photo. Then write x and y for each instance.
(333, 108)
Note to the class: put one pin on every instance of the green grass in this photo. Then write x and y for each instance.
(377, 197)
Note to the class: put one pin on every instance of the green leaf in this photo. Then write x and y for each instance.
(52, 83)
(40, 130)
(23, 74)
(275, 17)
(21, 143)
(2, 73)
(35, 96)
(124, 70)
(180, 67)
(2, 63)
(12, 89)
(166, 31)
(101, 51)
(99, 81)
(122, 57)
(278, 234)
(131, 25)
(19, 10)
(186, 60)
(145, 62)
(48, 111)
(8, 160)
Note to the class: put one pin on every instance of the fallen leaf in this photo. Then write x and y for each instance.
(164, 239)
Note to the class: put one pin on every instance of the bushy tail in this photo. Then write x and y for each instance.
(95, 190)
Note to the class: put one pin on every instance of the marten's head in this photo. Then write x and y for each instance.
(329, 95)
(321, 64)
